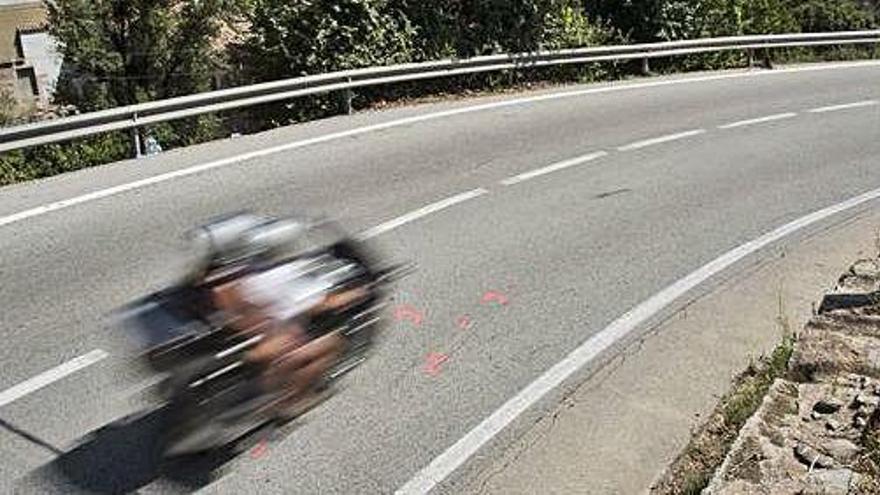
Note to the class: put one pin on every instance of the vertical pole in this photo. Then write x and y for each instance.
(646, 67)
(348, 96)
(750, 54)
(136, 137)
(768, 59)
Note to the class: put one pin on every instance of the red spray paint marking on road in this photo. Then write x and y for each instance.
(260, 449)
(493, 296)
(433, 363)
(463, 322)
(407, 312)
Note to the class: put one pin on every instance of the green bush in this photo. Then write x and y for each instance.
(48, 160)
(290, 39)
(823, 15)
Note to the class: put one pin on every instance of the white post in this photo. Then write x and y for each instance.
(136, 136)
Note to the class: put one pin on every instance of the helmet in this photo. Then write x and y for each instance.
(243, 238)
(223, 241)
(275, 238)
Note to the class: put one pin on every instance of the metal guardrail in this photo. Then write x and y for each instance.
(136, 116)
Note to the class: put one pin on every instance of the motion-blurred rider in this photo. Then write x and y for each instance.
(260, 296)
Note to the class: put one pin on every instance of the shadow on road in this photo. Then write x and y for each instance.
(121, 458)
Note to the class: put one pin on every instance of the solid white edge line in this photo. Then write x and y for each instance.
(553, 168)
(421, 212)
(844, 106)
(456, 455)
(50, 376)
(759, 120)
(111, 191)
(660, 140)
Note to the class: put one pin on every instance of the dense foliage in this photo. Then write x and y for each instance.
(119, 52)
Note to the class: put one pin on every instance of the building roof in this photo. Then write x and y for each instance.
(24, 15)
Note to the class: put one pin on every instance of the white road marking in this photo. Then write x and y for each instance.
(759, 120)
(660, 140)
(462, 450)
(845, 106)
(553, 168)
(53, 375)
(130, 186)
(421, 212)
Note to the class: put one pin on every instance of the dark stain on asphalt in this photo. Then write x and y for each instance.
(612, 193)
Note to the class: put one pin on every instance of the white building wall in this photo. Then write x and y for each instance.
(40, 50)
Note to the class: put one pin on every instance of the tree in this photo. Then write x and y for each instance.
(640, 21)
(766, 17)
(289, 39)
(566, 25)
(466, 28)
(689, 19)
(119, 52)
(826, 15)
(473, 27)
(292, 39)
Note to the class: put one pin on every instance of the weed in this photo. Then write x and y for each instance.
(693, 469)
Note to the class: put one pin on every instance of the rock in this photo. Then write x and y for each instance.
(862, 278)
(811, 458)
(866, 268)
(829, 482)
(872, 359)
(864, 399)
(807, 436)
(827, 406)
(841, 449)
(821, 353)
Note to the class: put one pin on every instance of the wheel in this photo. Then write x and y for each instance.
(208, 416)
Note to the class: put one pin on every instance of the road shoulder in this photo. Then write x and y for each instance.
(621, 428)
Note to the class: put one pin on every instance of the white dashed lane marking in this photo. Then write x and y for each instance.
(759, 120)
(553, 168)
(660, 140)
(50, 376)
(844, 106)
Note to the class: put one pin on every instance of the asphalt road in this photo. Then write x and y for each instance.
(674, 173)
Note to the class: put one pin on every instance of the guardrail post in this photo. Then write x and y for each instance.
(646, 67)
(768, 59)
(136, 137)
(750, 55)
(347, 97)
